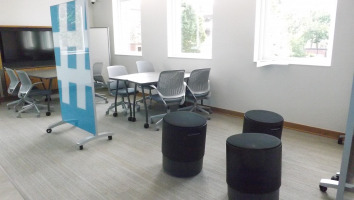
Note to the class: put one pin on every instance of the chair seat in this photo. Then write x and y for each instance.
(201, 95)
(36, 92)
(123, 92)
(157, 97)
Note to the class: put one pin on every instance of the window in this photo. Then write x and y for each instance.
(127, 27)
(294, 32)
(190, 28)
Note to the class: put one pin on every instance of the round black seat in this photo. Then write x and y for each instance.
(253, 166)
(183, 143)
(262, 121)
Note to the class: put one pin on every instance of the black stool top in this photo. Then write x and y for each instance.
(256, 141)
(264, 116)
(184, 119)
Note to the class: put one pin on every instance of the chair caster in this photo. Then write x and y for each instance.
(81, 147)
(47, 113)
(107, 112)
(110, 137)
(146, 125)
(340, 140)
(130, 119)
(49, 130)
(323, 188)
(106, 101)
(115, 114)
(133, 119)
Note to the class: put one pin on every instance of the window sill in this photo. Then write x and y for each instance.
(128, 54)
(320, 63)
(192, 56)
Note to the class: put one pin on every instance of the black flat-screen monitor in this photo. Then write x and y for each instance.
(26, 47)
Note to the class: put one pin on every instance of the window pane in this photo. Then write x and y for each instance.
(296, 29)
(190, 28)
(127, 27)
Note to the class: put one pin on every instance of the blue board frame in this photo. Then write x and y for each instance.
(75, 80)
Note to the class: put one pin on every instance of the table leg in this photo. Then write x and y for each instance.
(48, 96)
(134, 100)
(146, 125)
(115, 114)
(130, 118)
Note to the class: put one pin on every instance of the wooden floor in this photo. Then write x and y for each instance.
(36, 165)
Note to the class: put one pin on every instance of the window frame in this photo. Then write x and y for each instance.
(117, 17)
(258, 56)
(174, 39)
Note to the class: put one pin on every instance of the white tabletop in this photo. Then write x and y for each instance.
(46, 73)
(143, 78)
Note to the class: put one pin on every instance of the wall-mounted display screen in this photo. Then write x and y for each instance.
(26, 47)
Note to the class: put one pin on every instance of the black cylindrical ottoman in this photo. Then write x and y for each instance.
(253, 166)
(183, 143)
(262, 121)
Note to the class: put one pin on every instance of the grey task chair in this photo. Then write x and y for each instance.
(171, 89)
(28, 92)
(13, 87)
(98, 79)
(119, 70)
(198, 88)
(145, 66)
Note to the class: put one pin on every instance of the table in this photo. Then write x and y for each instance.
(143, 79)
(44, 74)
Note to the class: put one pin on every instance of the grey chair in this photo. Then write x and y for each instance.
(28, 93)
(198, 89)
(145, 66)
(119, 70)
(99, 80)
(13, 87)
(171, 90)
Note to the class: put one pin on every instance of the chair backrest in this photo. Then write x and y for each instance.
(97, 72)
(198, 81)
(171, 84)
(26, 83)
(116, 70)
(144, 66)
(14, 81)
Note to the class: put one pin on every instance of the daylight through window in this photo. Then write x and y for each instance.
(127, 27)
(294, 32)
(190, 28)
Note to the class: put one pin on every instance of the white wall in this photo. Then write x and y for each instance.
(27, 12)
(309, 95)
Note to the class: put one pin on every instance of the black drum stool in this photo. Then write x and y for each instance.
(262, 121)
(183, 143)
(253, 166)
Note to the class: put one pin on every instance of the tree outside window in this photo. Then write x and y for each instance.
(294, 31)
(190, 28)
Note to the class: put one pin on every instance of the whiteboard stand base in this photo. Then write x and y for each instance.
(80, 144)
(328, 183)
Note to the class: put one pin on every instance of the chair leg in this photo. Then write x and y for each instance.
(157, 125)
(13, 103)
(101, 96)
